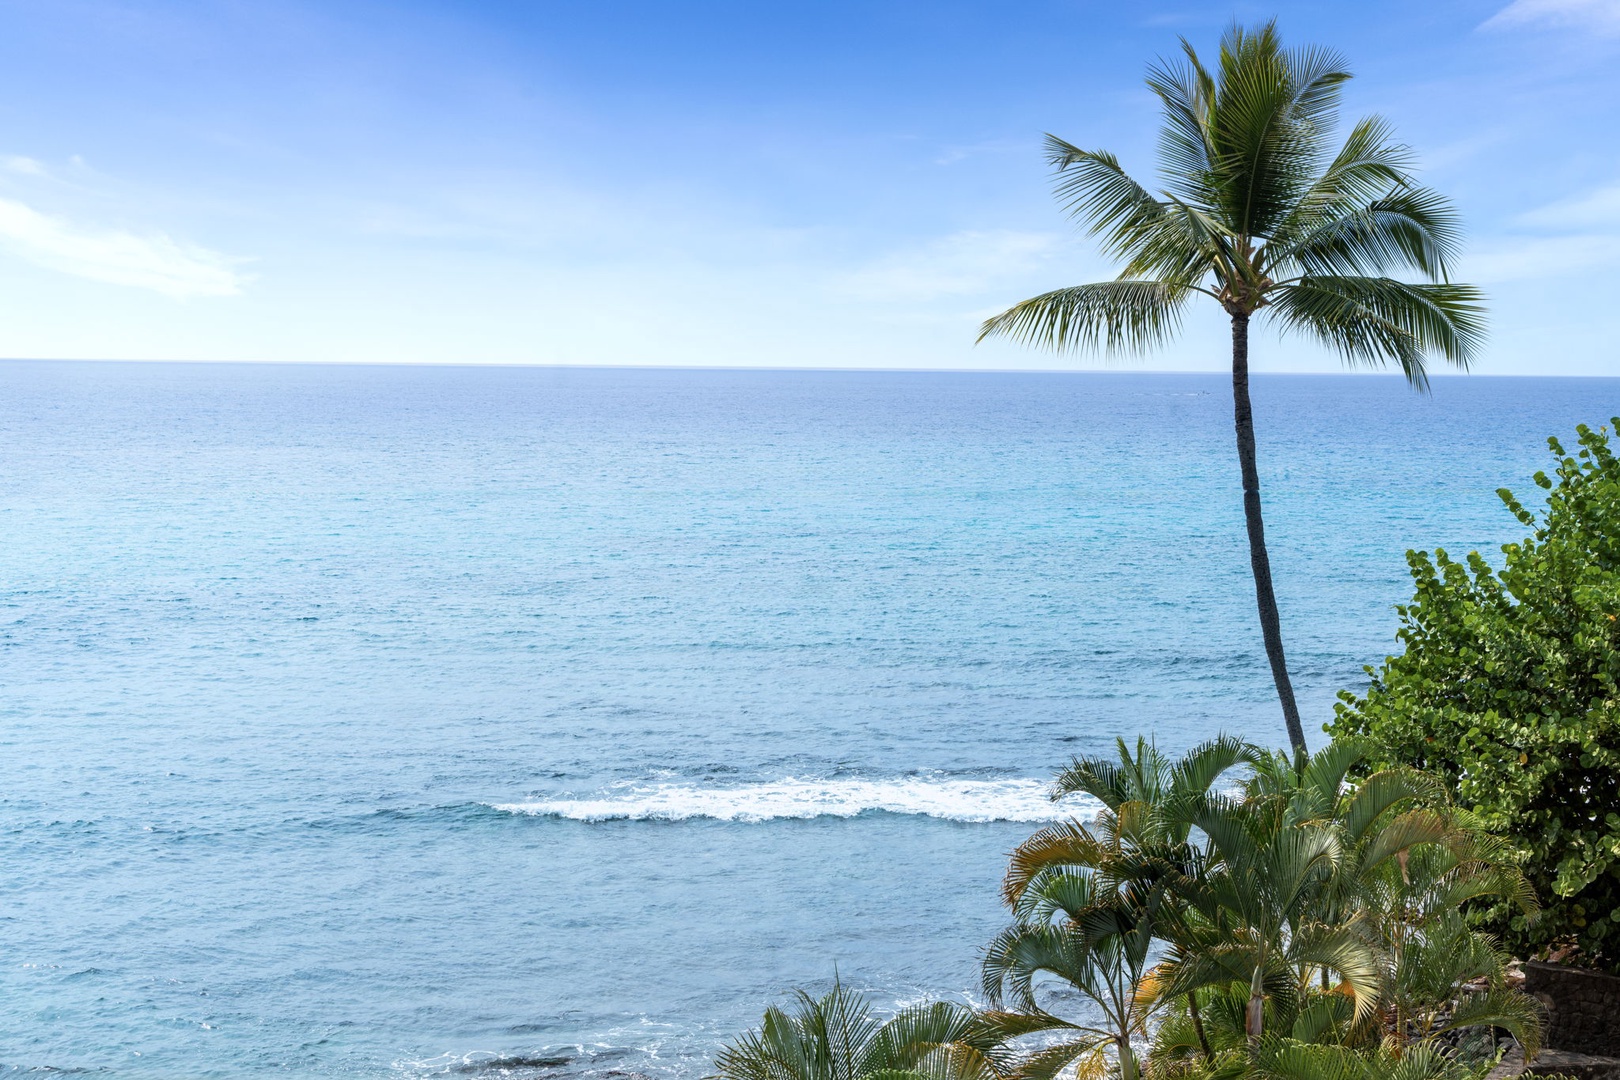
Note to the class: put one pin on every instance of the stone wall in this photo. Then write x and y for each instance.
(1583, 1008)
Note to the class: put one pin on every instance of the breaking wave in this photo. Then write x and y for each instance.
(936, 797)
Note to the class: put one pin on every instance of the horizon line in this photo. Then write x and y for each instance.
(487, 364)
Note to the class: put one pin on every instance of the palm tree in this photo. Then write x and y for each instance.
(1257, 920)
(1258, 214)
(1099, 946)
(836, 1037)
(1143, 825)
(1308, 876)
(1111, 879)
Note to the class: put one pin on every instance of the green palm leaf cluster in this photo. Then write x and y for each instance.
(1238, 912)
(1090, 901)
(837, 1037)
(1262, 210)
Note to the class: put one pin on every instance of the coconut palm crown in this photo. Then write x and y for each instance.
(1258, 212)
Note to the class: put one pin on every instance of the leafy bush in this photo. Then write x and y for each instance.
(1507, 690)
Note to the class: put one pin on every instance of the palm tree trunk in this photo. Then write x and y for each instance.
(1259, 561)
(1198, 1026)
(1129, 1069)
(1254, 1017)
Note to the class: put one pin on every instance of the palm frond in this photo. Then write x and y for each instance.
(824, 1038)
(1111, 782)
(1408, 228)
(1057, 891)
(1020, 953)
(1121, 317)
(1093, 187)
(1405, 832)
(1514, 1011)
(1293, 1060)
(1378, 320)
(1087, 1059)
(1324, 774)
(1272, 113)
(1384, 790)
(1214, 964)
(1207, 762)
(1186, 92)
(1067, 843)
(1369, 165)
(1345, 951)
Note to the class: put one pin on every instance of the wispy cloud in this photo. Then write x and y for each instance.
(1531, 257)
(1599, 209)
(1602, 16)
(1563, 237)
(950, 155)
(152, 261)
(24, 166)
(961, 264)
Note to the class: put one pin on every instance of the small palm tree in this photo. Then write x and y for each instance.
(1259, 214)
(1358, 886)
(836, 1037)
(1258, 919)
(1127, 865)
(1144, 823)
(1095, 945)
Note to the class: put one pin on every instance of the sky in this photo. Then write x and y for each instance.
(811, 184)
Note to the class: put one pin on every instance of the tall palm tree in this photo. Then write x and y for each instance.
(1258, 213)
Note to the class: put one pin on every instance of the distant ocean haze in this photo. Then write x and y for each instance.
(392, 722)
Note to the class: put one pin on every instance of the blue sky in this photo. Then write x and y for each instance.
(808, 184)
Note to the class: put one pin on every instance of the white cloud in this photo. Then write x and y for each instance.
(1599, 15)
(1597, 209)
(950, 155)
(961, 264)
(1521, 259)
(1563, 237)
(26, 166)
(154, 261)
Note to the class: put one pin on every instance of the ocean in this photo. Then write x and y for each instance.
(401, 721)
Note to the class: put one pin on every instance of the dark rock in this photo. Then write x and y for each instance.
(1583, 1008)
(1557, 1063)
(1580, 1066)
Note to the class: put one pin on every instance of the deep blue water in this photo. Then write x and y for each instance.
(386, 722)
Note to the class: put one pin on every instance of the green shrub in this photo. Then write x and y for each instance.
(1507, 691)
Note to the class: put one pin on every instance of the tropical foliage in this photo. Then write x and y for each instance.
(836, 1037)
(1260, 212)
(1293, 913)
(1231, 913)
(1509, 691)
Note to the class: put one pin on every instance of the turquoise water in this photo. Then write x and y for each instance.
(393, 722)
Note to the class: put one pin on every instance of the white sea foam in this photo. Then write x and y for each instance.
(938, 797)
